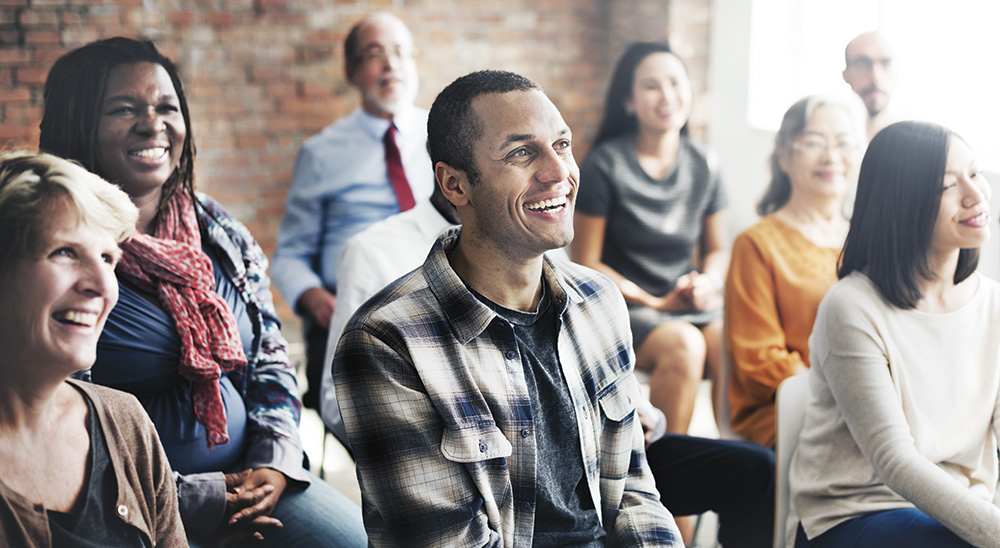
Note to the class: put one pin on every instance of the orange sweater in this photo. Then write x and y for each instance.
(777, 278)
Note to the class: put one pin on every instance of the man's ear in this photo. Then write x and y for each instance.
(844, 76)
(453, 182)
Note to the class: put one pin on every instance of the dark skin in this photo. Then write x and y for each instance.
(250, 498)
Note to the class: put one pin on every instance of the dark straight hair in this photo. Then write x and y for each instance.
(899, 193)
(616, 120)
(73, 93)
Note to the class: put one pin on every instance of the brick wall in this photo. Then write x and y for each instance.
(262, 75)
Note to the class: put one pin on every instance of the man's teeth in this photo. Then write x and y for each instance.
(150, 153)
(87, 319)
(552, 203)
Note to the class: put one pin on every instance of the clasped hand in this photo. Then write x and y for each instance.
(250, 498)
(693, 291)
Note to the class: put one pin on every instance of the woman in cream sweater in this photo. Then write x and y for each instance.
(899, 443)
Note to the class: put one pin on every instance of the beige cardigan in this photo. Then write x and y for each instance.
(147, 495)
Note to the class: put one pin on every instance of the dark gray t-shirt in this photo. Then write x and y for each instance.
(564, 512)
(653, 225)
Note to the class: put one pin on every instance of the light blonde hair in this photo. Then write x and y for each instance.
(32, 184)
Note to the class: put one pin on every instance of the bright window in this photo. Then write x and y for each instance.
(945, 56)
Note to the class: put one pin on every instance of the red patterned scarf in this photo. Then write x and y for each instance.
(172, 264)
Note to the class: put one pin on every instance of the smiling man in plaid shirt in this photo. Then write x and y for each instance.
(489, 394)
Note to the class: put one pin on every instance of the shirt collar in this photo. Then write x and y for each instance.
(377, 127)
(466, 314)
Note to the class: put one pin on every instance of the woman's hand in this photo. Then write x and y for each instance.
(250, 498)
(701, 292)
(693, 291)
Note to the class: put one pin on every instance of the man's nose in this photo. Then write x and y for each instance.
(553, 168)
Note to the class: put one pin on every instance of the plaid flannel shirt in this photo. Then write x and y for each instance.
(435, 402)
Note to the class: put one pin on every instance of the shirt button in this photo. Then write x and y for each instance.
(525, 432)
(122, 510)
(525, 505)
(511, 354)
(482, 447)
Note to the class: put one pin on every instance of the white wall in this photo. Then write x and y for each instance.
(743, 151)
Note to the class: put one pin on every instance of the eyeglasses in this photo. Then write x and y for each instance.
(867, 63)
(379, 54)
(814, 146)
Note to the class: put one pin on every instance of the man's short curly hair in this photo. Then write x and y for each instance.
(452, 126)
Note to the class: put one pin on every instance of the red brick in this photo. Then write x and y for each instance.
(41, 37)
(251, 141)
(12, 95)
(219, 19)
(70, 18)
(180, 18)
(279, 6)
(31, 75)
(46, 57)
(34, 18)
(10, 55)
(23, 112)
(9, 37)
(15, 131)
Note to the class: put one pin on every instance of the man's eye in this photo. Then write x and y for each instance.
(564, 144)
(519, 153)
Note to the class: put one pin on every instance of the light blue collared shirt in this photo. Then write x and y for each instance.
(340, 187)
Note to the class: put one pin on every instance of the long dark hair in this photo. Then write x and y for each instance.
(73, 93)
(899, 193)
(617, 121)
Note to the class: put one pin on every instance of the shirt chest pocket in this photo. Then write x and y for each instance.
(474, 444)
(617, 399)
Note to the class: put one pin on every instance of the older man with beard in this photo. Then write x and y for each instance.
(360, 169)
(870, 73)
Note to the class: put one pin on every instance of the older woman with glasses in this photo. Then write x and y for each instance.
(80, 465)
(782, 266)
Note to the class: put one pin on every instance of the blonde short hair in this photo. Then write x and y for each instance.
(32, 184)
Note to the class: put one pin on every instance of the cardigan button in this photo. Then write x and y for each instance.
(511, 354)
(525, 432)
(122, 510)
(482, 447)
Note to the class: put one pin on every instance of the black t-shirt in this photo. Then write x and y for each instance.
(564, 511)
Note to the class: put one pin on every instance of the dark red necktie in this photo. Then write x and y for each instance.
(397, 176)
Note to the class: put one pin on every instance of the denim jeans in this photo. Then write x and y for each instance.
(904, 528)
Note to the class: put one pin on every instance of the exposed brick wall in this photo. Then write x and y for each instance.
(262, 75)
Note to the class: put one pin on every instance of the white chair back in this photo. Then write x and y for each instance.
(790, 406)
(723, 408)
